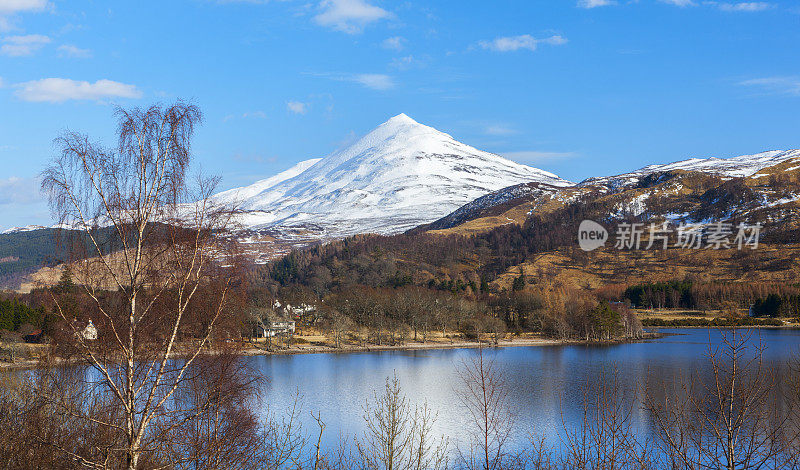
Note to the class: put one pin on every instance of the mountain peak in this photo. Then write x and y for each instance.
(401, 118)
(398, 124)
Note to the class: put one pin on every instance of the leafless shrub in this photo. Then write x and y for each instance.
(484, 394)
(733, 421)
(605, 437)
(399, 437)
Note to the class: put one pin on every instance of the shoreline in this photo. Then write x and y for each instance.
(417, 346)
(248, 350)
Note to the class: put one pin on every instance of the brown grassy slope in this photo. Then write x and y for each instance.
(578, 269)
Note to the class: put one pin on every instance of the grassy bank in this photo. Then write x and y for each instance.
(680, 318)
(315, 344)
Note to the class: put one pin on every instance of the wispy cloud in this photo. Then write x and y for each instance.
(9, 8)
(255, 115)
(406, 62)
(58, 90)
(741, 6)
(775, 85)
(595, 3)
(525, 41)
(75, 52)
(376, 81)
(246, 115)
(680, 3)
(724, 6)
(18, 6)
(255, 2)
(498, 129)
(395, 43)
(536, 156)
(297, 107)
(349, 16)
(16, 190)
(20, 46)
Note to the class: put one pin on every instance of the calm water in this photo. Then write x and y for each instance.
(546, 382)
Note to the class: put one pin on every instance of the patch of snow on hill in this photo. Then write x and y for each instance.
(736, 167)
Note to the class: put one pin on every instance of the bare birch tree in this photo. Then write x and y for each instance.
(151, 249)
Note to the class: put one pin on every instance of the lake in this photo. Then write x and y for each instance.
(546, 382)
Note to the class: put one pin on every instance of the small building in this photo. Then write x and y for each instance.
(90, 332)
(274, 328)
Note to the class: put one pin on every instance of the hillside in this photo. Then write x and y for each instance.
(762, 187)
(25, 251)
(33, 254)
(531, 229)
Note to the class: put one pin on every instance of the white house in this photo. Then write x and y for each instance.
(90, 332)
(274, 328)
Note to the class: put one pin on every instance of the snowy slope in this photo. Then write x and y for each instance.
(736, 167)
(242, 194)
(27, 228)
(400, 175)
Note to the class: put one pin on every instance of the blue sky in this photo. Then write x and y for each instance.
(577, 87)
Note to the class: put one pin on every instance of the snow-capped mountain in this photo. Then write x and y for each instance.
(27, 228)
(400, 175)
(736, 167)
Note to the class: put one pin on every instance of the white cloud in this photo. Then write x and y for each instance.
(58, 90)
(396, 43)
(19, 46)
(525, 41)
(349, 16)
(595, 3)
(68, 50)
(9, 8)
(776, 85)
(376, 81)
(297, 107)
(531, 156)
(743, 6)
(17, 6)
(680, 3)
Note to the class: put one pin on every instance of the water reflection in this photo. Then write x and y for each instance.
(546, 383)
